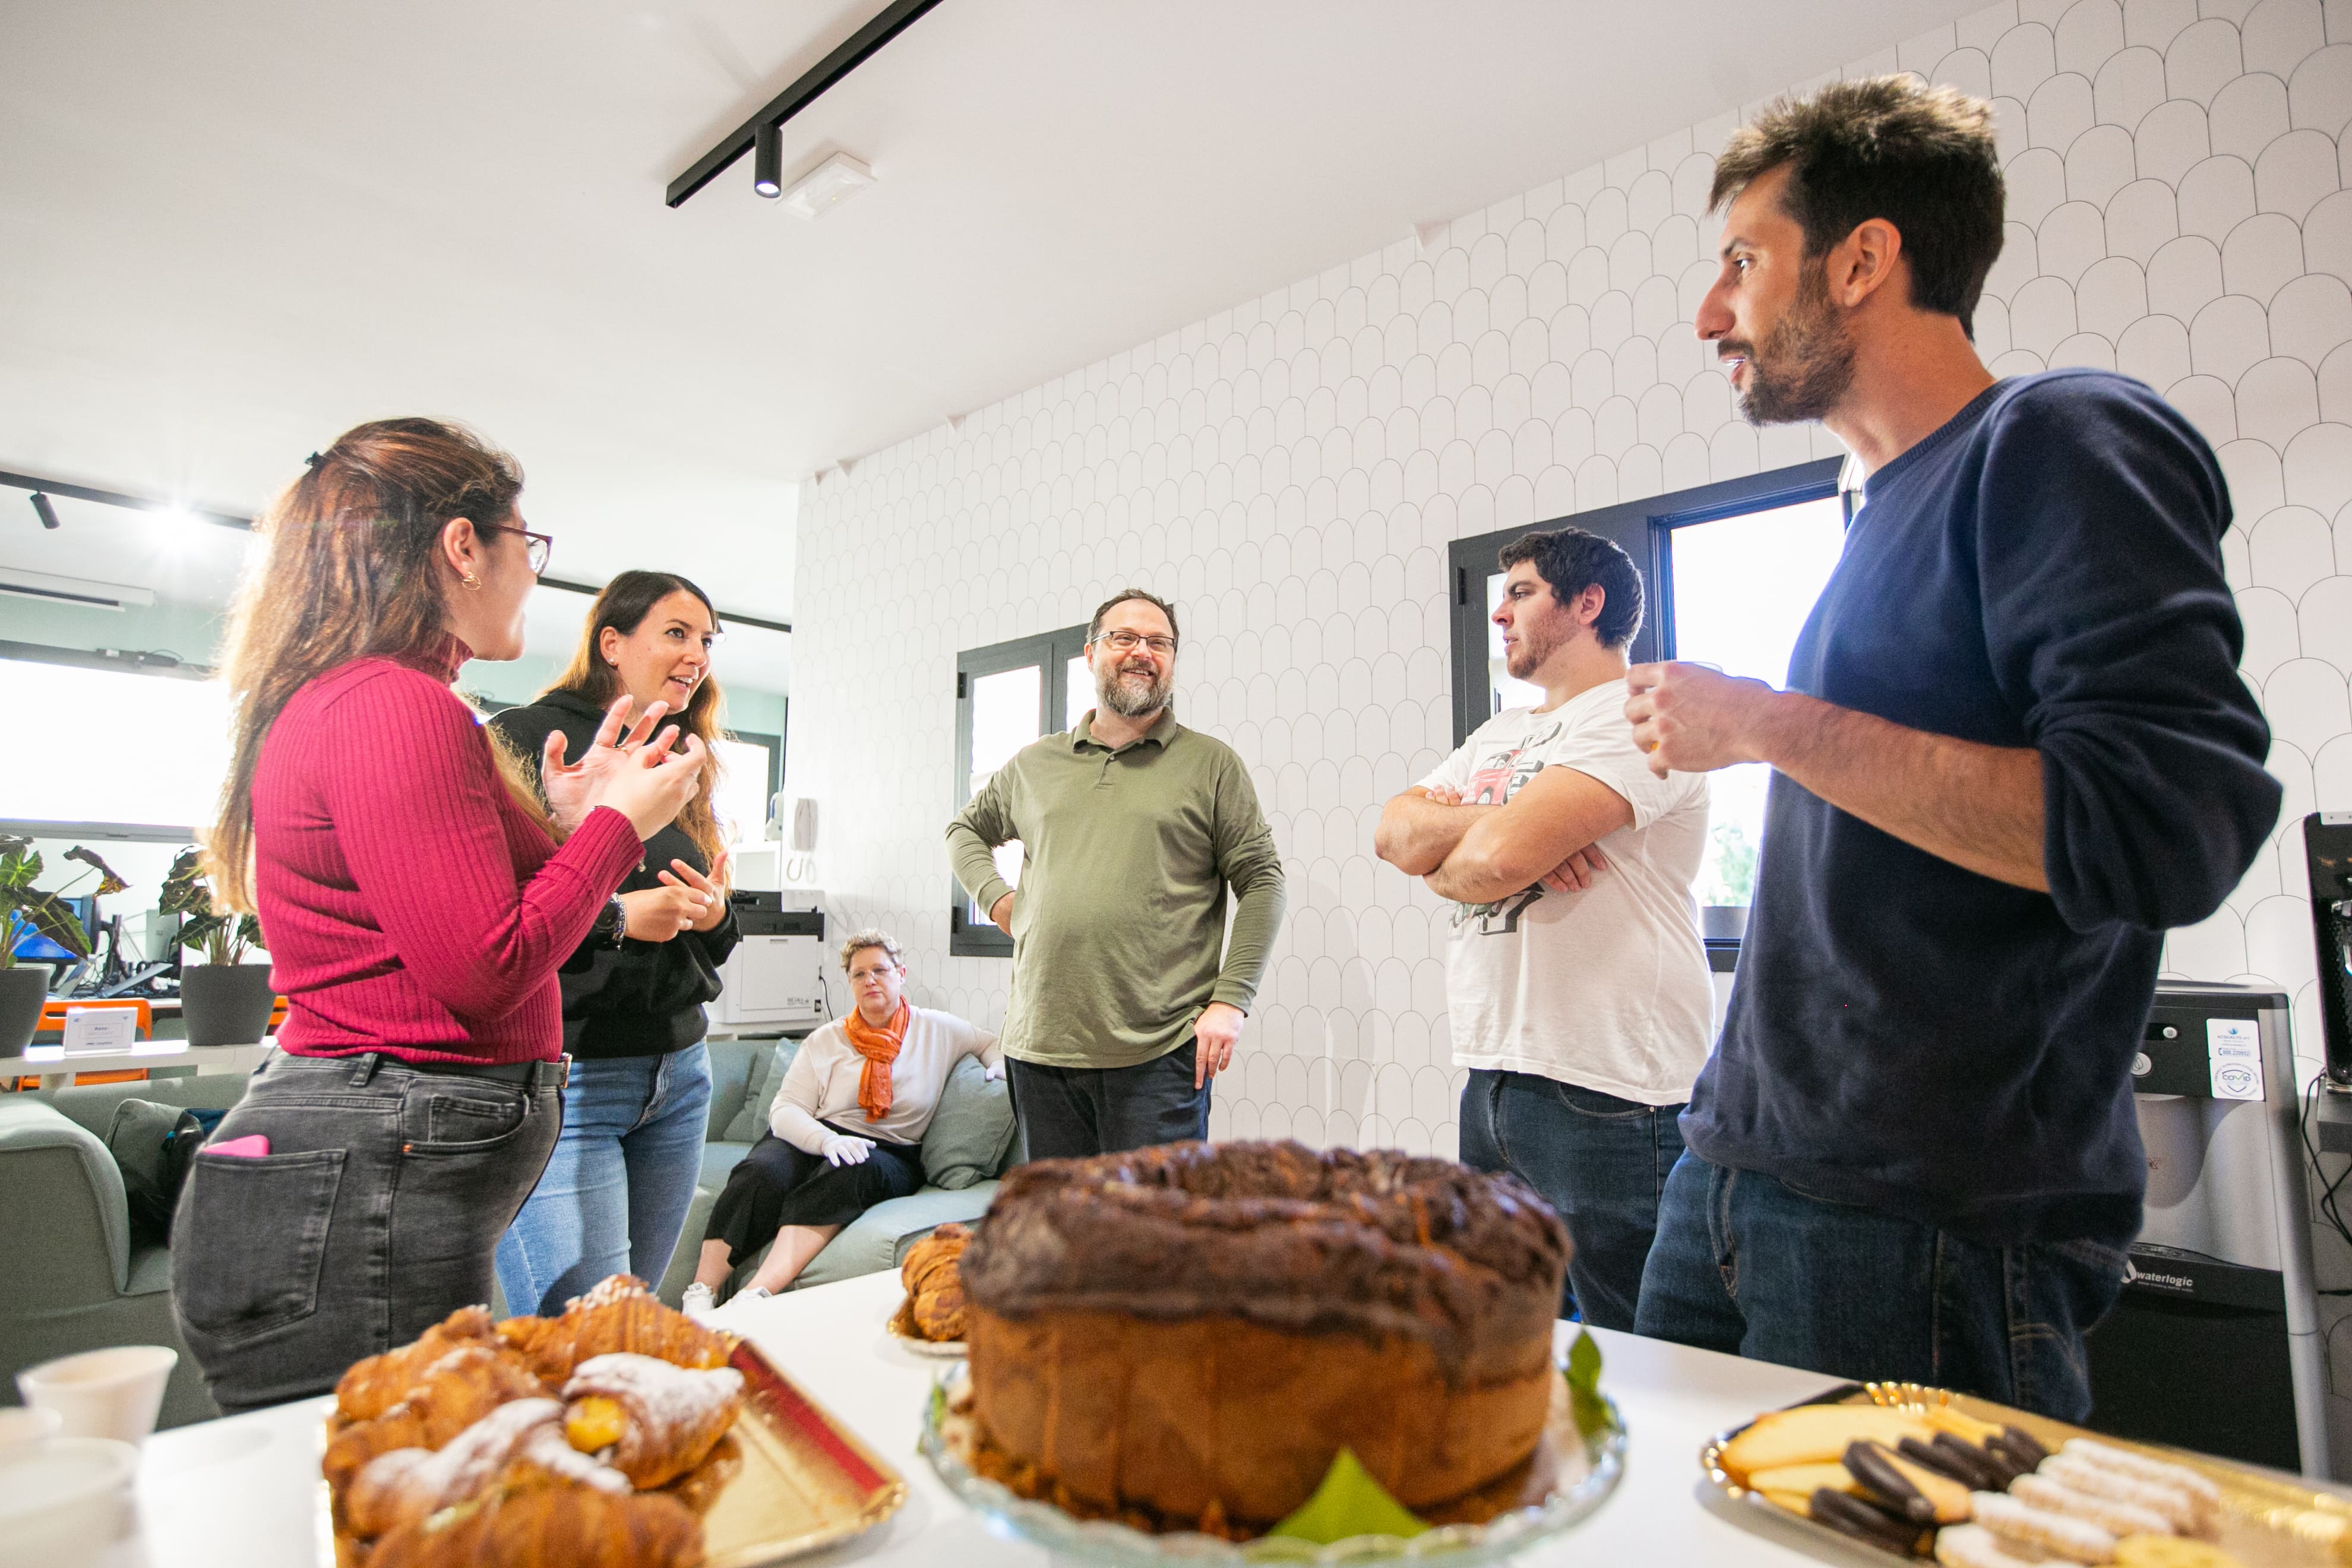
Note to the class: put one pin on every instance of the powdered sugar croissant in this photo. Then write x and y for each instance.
(449, 1397)
(618, 1315)
(543, 1527)
(376, 1385)
(658, 1420)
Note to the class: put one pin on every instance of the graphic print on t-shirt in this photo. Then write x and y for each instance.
(1503, 775)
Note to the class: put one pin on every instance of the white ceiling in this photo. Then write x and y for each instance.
(228, 230)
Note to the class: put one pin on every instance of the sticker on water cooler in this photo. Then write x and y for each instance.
(2235, 1048)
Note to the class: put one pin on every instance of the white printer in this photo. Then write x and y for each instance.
(775, 980)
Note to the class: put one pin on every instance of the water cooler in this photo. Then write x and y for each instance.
(2214, 1344)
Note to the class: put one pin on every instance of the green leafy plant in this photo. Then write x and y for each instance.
(223, 938)
(1349, 1502)
(24, 908)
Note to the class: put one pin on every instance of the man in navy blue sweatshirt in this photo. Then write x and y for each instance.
(2013, 751)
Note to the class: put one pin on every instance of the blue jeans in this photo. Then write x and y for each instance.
(614, 1196)
(1754, 1267)
(1601, 1162)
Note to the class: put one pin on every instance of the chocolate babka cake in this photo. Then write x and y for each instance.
(1189, 1334)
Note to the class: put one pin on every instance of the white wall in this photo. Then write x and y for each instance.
(1290, 472)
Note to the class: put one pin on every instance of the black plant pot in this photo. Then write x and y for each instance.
(23, 988)
(225, 1004)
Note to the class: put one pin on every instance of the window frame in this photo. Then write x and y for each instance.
(1643, 529)
(970, 936)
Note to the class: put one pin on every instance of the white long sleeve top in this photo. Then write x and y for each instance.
(822, 1083)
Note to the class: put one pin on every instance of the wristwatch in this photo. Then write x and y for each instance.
(612, 923)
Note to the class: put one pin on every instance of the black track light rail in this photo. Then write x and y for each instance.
(231, 520)
(894, 19)
(116, 498)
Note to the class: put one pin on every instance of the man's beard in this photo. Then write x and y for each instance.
(1804, 365)
(1127, 701)
(1527, 656)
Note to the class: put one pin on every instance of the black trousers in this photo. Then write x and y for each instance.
(376, 1214)
(1072, 1112)
(777, 1184)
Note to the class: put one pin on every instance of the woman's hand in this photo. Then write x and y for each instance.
(839, 1150)
(657, 915)
(712, 888)
(652, 784)
(571, 790)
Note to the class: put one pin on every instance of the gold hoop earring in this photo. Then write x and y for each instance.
(470, 581)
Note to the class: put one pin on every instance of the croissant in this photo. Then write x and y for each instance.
(453, 1393)
(618, 1315)
(406, 1484)
(374, 1386)
(933, 1276)
(658, 1419)
(549, 1527)
(701, 1486)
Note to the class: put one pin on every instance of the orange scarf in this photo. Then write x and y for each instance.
(880, 1049)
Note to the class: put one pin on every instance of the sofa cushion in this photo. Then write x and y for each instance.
(972, 1131)
(717, 1160)
(878, 1238)
(759, 1092)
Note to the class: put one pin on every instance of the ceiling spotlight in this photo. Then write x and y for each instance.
(768, 161)
(48, 513)
(827, 185)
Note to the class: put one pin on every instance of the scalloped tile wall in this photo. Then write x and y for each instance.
(1290, 471)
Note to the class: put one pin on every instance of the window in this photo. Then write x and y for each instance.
(1008, 696)
(142, 753)
(1729, 572)
(747, 780)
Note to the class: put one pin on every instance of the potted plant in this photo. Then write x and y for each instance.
(224, 1000)
(25, 911)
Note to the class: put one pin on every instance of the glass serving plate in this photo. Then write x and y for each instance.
(1586, 1470)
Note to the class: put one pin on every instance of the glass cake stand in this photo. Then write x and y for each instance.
(1586, 1469)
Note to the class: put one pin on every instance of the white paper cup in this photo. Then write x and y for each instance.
(23, 1423)
(64, 1500)
(112, 1393)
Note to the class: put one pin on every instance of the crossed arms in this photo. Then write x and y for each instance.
(1477, 854)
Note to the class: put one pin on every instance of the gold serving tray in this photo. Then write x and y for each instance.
(2268, 1519)
(807, 1481)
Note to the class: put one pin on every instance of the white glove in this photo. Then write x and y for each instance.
(994, 1072)
(838, 1150)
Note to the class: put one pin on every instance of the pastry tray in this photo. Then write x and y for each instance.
(807, 1481)
(2269, 1519)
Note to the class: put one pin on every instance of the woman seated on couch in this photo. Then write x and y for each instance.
(845, 1131)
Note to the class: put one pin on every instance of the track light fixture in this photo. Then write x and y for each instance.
(768, 161)
(48, 513)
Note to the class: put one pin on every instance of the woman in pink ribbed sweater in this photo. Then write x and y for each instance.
(416, 897)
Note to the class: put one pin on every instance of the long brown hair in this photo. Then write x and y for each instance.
(349, 570)
(624, 605)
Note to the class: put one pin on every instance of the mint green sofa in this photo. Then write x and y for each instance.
(971, 1144)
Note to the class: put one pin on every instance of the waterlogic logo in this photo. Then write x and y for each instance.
(2180, 1283)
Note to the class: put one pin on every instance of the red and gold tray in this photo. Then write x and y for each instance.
(807, 1481)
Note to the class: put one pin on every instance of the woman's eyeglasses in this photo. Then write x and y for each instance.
(1128, 642)
(539, 548)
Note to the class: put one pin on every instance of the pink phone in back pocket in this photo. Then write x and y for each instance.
(252, 1146)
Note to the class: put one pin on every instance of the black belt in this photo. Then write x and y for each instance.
(530, 1075)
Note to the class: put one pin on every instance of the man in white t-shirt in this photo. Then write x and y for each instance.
(1576, 980)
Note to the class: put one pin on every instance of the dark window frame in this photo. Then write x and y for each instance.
(1643, 529)
(970, 935)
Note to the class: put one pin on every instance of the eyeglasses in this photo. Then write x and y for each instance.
(539, 548)
(1128, 642)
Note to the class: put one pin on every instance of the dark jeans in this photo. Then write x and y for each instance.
(1752, 1265)
(778, 1183)
(1072, 1112)
(1601, 1162)
(374, 1215)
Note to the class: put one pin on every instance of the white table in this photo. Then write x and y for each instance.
(57, 1069)
(242, 1492)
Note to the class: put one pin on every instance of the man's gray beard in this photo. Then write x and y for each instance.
(1123, 702)
(1812, 361)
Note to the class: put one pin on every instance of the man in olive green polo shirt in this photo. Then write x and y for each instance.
(1131, 829)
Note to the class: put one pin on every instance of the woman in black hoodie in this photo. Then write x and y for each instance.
(614, 1193)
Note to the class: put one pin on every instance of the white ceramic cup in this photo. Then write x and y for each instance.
(23, 1423)
(64, 1500)
(112, 1393)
